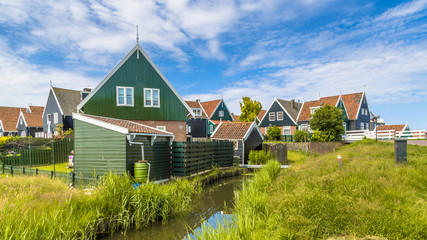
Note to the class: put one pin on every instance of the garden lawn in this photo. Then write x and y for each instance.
(59, 167)
(371, 198)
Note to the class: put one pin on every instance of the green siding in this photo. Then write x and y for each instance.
(98, 150)
(209, 127)
(344, 113)
(227, 117)
(158, 155)
(140, 74)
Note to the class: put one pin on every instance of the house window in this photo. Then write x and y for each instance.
(211, 128)
(272, 116)
(345, 126)
(188, 129)
(163, 128)
(304, 127)
(151, 97)
(279, 116)
(55, 118)
(197, 112)
(23, 134)
(49, 118)
(125, 96)
(236, 144)
(1, 134)
(39, 134)
(313, 110)
(221, 113)
(20, 121)
(286, 130)
(362, 126)
(363, 111)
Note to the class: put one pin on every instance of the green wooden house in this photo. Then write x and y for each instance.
(136, 90)
(104, 145)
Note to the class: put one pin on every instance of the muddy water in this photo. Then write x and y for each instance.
(209, 207)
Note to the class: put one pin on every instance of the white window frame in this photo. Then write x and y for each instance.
(362, 126)
(49, 118)
(162, 128)
(20, 121)
(287, 128)
(197, 112)
(24, 134)
(221, 113)
(151, 94)
(363, 111)
(188, 129)
(55, 118)
(39, 134)
(272, 116)
(236, 144)
(211, 128)
(279, 116)
(304, 127)
(125, 103)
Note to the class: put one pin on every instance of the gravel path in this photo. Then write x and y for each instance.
(418, 142)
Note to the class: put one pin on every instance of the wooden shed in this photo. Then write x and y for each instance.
(245, 135)
(105, 145)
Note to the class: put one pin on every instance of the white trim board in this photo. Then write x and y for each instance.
(117, 67)
(100, 123)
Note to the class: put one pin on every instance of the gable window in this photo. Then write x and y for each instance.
(49, 118)
(286, 130)
(272, 116)
(197, 112)
(20, 121)
(221, 113)
(163, 128)
(211, 128)
(236, 144)
(151, 97)
(363, 111)
(55, 118)
(125, 96)
(279, 116)
(362, 125)
(23, 134)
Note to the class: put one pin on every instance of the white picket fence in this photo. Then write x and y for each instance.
(356, 135)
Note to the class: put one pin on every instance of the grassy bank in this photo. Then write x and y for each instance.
(371, 196)
(41, 208)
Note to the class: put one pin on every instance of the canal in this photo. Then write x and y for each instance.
(211, 206)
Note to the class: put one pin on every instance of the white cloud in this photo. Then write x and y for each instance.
(404, 9)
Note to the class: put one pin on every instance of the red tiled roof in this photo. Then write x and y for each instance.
(133, 127)
(217, 122)
(304, 115)
(195, 104)
(397, 127)
(36, 109)
(236, 118)
(210, 106)
(9, 116)
(232, 130)
(352, 102)
(34, 119)
(261, 114)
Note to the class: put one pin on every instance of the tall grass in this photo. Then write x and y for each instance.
(371, 197)
(41, 208)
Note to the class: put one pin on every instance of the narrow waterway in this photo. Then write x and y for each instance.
(209, 207)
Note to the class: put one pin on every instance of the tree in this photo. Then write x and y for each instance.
(328, 121)
(273, 132)
(250, 109)
(301, 136)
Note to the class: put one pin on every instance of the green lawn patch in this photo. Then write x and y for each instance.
(59, 167)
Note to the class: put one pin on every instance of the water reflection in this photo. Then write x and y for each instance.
(210, 206)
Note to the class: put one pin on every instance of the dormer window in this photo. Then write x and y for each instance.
(221, 113)
(151, 97)
(197, 112)
(125, 96)
(313, 110)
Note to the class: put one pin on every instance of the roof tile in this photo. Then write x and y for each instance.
(210, 106)
(232, 130)
(352, 102)
(397, 127)
(9, 116)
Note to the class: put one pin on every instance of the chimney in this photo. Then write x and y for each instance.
(87, 90)
(198, 100)
(293, 103)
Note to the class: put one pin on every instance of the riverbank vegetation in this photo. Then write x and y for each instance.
(371, 197)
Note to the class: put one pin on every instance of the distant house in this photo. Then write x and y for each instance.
(281, 113)
(245, 135)
(357, 110)
(8, 118)
(207, 115)
(309, 108)
(236, 117)
(60, 105)
(107, 144)
(136, 90)
(30, 122)
(395, 128)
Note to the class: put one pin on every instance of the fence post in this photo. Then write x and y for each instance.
(11, 170)
(23, 170)
(73, 178)
(37, 171)
(29, 149)
(51, 174)
(53, 155)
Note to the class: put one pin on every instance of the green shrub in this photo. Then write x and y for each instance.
(318, 136)
(259, 157)
(4, 140)
(273, 132)
(301, 136)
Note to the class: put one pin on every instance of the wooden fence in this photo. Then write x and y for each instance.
(356, 135)
(192, 157)
(57, 151)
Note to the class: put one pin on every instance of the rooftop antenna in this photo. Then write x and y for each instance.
(364, 88)
(51, 83)
(137, 42)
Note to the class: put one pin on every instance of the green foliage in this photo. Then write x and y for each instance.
(328, 120)
(250, 109)
(273, 133)
(318, 136)
(301, 136)
(4, 140)
(259, 157)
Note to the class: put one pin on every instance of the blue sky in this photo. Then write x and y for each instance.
(261, 49)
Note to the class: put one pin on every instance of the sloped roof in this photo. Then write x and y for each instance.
(352, 103)
(216, 122)
(291, 107)
(396, 127)
(232, 130)
(195, 104)
(236, 118)
(132, 127)
(34, 119)
(9, 116)
(304, 114)
(36, 109)
(67, 99)
(261, 114)
(210, 106)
